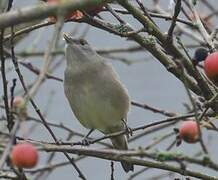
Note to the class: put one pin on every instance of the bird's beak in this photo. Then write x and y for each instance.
(70, 40)
(67, 38)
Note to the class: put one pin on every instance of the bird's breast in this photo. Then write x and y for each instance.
(97, 101)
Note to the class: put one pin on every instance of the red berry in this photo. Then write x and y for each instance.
(72, 15)
(19, 106)
(188, 131)
(18, 102)
(24, 155)
(211, 66)
(76, 14)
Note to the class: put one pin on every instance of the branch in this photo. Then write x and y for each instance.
(43, 11)
(173, 24)
(115, 155)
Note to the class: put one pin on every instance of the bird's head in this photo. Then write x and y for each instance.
(77, 49)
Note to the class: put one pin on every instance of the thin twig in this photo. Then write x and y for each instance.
(16, 65)
(4, 82)
(173, 23)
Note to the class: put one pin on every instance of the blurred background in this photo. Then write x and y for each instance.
(145, 78)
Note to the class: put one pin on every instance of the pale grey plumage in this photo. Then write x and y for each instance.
(95, 93)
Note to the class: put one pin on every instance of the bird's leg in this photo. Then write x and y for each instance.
(85, 140)
(128, 129)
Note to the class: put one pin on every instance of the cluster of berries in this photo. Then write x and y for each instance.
(25, 155)
(75, 14)
(188, 130)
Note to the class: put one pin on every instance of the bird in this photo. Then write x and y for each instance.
(95, 93)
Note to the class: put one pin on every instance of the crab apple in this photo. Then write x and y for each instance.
(19, 106)
(24, 155)
(77, 14)
(211, 66)
(18, 102)
(188, 131)
(73, 15)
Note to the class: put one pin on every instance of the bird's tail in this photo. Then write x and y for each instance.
(120, 143)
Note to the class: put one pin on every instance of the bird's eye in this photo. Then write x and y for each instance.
(83, 42)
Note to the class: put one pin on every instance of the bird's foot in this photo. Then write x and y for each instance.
(85, 141)
(129, 130)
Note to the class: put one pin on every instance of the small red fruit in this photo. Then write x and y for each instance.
(19, 106)
(24, 155)
(211, 66)
(76, 14)
(18, 102)
(188, 131)
(73, 15)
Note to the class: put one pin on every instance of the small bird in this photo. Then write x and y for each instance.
(96, 96)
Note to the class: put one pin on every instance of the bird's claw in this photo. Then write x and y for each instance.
(85, 142)
(129, 130)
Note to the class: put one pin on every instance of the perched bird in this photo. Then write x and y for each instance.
(96, 96)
